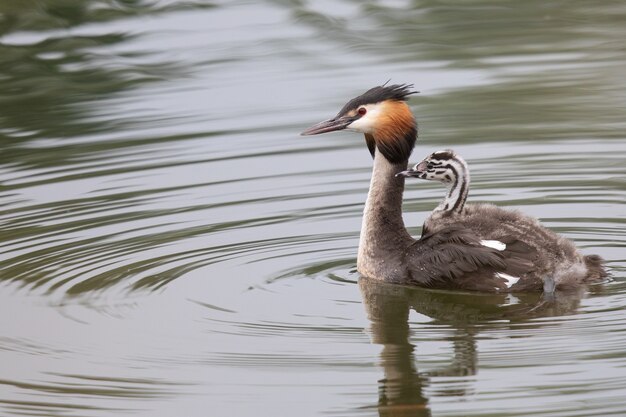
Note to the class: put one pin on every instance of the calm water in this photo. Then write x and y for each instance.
(170, 246)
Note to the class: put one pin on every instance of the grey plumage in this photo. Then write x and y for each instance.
(551, 256)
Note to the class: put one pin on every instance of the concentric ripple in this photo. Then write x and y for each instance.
(170, 245)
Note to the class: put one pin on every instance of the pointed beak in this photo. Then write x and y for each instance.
(415, 172)
(407, 173)
(337, 123)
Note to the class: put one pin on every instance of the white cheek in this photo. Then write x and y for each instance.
(366, 123)
(362, 125)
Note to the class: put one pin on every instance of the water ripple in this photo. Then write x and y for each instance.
(169, 242)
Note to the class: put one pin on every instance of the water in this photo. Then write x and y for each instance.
(171, 246)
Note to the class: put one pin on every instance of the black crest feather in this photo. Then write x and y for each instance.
(398, 92)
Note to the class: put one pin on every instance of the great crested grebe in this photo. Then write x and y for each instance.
(454, 257)
(557, 262)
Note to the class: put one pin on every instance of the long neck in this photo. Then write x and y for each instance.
(383, 235)
(454, 202)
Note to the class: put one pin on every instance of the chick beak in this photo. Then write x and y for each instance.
(407, 173)
(337, 123)
(415, 172)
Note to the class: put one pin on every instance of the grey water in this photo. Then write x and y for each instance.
(170, 246)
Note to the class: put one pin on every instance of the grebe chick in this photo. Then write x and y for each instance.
(452, 258)
(558, 264)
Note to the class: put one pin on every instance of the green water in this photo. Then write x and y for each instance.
(169, 244)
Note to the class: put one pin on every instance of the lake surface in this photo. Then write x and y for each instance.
(170, 246)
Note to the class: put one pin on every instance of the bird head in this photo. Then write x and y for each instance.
(443, 166)
(382, 114)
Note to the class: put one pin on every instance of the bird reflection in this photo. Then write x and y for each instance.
(401, 391)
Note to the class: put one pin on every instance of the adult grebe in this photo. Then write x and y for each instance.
(557, 262)
(454, 257)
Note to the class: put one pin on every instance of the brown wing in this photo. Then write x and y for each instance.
(519, 256)
(455, 258)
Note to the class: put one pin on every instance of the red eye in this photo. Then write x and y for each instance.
(362, 111)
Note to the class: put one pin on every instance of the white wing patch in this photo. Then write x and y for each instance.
(510, 280)
(493, 244)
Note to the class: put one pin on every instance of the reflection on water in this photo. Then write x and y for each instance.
(401, 391)
(169, 244)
